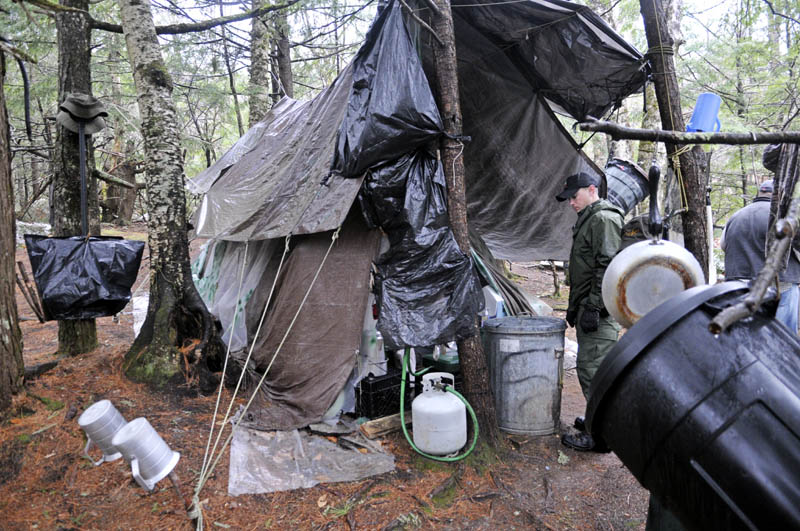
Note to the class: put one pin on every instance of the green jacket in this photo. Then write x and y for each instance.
(595, 240)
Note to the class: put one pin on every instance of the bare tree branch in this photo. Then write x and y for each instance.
(618, 132)
(175, 29)
(780, 14)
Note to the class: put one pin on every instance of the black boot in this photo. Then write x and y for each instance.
(583, 442)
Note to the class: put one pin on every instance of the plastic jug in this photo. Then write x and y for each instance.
(704, 116)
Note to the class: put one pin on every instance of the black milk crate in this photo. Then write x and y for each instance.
(379, 396)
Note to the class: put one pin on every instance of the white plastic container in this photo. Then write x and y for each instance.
(151, 457)
(439, 418)
(101, 421)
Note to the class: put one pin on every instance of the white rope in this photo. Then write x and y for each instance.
(244, 367)
(196, 509)
(227, 356)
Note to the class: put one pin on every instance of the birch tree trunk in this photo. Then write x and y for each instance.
(660, 53)
(260, 101)
(176, 315)
(74, 76)
(473, 362)
(12, 369)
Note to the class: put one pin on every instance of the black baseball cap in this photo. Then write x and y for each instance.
(576, 182)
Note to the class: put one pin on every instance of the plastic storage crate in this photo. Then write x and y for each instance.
(379, 396)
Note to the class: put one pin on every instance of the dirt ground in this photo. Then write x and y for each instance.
(531, 483)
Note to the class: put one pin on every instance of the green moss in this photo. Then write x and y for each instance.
(51, 404)
(154, 366)
(157, 74)
(446, 497)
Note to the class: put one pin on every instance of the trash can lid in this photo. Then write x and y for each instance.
(644, 331)
(524, 324)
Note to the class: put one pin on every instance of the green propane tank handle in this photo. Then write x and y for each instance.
(449, 389)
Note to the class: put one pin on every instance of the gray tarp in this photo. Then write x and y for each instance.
(282, 184)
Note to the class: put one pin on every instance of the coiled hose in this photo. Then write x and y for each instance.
(449, 389)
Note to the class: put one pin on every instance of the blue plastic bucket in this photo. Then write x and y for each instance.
(704, 117)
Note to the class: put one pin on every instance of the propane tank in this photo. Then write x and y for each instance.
(439, 418)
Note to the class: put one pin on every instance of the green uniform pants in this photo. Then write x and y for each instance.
(593, 347)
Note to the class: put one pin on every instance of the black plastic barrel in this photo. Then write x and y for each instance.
(627, 184)
(709, 425)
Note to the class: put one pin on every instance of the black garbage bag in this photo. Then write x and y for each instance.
(83, 278)
(427, 290)
(391, 109)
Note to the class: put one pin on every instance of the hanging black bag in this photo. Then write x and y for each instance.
(83, 277)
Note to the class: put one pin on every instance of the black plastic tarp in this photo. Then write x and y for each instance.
(83, 278)
(391, 110)
(518, 62)
(427, 290)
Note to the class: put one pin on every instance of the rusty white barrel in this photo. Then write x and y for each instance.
(525, 356)
(101, 421)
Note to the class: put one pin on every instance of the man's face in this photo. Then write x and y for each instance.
(582, 198)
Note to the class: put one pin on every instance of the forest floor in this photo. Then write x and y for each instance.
(529, 483)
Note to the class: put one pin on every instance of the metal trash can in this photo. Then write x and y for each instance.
(525, 356)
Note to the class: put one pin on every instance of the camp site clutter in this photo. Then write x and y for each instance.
(373, 131)
(330, 252)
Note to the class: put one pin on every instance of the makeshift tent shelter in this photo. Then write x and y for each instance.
(299, 171)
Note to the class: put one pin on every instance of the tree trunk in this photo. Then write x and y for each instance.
(260, 62)
(74, 35)
(283, 53)
(473, 362)
(11, 366)
(176, 315)
(669, 104)
(119, 200)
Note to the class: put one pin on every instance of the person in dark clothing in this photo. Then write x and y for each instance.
(744, 241)
(595, 240)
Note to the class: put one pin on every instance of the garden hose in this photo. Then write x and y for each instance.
(449, 389)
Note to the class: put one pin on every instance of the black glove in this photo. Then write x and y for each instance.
(571, 315)
(590, 319)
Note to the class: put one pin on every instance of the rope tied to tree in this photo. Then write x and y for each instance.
(660, 50)
(676, 166)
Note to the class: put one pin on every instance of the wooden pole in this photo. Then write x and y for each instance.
(470, 350)
(686, 163)
(619, 132)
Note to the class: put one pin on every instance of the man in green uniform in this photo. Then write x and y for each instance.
(595, 240)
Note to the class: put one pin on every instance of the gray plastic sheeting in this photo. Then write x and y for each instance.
(277, 181)
(284, 460)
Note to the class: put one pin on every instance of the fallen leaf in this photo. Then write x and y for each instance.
(322, 501)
